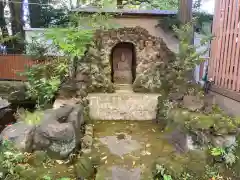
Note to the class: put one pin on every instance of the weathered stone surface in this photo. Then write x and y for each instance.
(122, 106)
(21, 134)
(177, 96)
(193, 103)
(87, 140)
(59, 132)
(209, 102)
(56, 131)
(67, 89)
(122, 146)
(178, 138)
(13, 91)
(40, 142)
(124, 174)
(149, 51)
(76, 118)
(59, 114)
(60, 102)
(224, 141)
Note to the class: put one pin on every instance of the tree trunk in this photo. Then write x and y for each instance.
(185, 16)
(3, 24)
(3, 28)
(16, 10)
(185, 11)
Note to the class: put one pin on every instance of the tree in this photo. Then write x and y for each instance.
(16, 10)
(43, 14)
(185, 11)
(3, 24)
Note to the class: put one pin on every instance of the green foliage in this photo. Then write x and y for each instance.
(74, 40)
(212, 172)
(16, 165)
(217, 151)
(228, 154)
(163, 5)
(48, 15)
(201, 20)
(36, 50)
(31, 118)
(159, 173)
(189, 55)
(137, 4)
(44, 79)
(10, 158)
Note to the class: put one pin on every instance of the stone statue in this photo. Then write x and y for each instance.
(123, 73)
(123, 64)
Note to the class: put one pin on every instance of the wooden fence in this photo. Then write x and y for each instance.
(224, 64)
(11, 65)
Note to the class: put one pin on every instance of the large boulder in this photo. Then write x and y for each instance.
(58, 132)
(13, 91)
(21, 134)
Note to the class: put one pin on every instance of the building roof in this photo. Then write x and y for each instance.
(139, 12)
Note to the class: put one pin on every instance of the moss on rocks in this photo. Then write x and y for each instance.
(176, 165)
(215, 124)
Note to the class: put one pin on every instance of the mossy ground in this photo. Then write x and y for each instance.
(158, 149)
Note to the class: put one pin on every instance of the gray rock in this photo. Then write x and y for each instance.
(21, 135)
(178, 138)
(56, 131)
(13, 91)
(122, 146)
(176, 96)
(40, 142)
(123, 174)
(224, 141)
(60, 114)
(57, 138)
(76, 118)
(193, 103)
(4, 103)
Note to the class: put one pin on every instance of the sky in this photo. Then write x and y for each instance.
(208, 6)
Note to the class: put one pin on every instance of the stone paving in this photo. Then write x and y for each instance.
(120, 147)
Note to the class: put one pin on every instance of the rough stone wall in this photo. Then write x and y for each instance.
(152, 57)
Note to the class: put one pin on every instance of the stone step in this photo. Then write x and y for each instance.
(122, 106)
(124, 87)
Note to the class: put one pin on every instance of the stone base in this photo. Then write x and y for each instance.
(122, 105)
